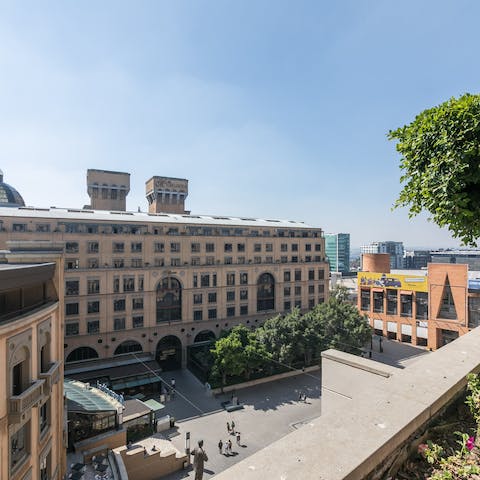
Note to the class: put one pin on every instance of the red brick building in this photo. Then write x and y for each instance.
(428, 307)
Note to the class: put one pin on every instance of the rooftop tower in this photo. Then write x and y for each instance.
(108, 190)
(166, 194)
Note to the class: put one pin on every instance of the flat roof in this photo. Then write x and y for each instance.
(135, 409)
(472, 274)
(119, 372)
(107, 171)
(87, 215)
(456, 252)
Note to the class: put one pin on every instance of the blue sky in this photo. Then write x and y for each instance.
(269, 108)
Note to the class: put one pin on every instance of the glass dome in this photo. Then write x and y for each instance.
(9, 197)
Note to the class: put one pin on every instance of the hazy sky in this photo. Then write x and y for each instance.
(269, 108)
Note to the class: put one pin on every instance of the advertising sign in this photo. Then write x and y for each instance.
(415, 283)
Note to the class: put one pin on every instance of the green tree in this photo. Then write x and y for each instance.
(440, 160)
(238, 353)
(341, 326)
(276, 334)
(228, 357)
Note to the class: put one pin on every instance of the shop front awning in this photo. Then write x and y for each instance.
(135, 382)
(154, 405)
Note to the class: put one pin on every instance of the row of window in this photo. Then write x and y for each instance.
(132, 284)
(137, 321)
(175, 247)
(74, 263)
(93, 326)
(388, 302)
(135, 229)
(119, 305)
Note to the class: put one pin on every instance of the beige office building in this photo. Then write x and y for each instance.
(31, 348)
(158, 282)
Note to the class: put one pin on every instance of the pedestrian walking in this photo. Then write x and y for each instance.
(233, 428)
(229, 445)
(220, 447)
(228, 427)
(238, 438)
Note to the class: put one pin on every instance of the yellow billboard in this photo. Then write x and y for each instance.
(416, 283)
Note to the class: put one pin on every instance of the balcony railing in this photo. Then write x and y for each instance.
(51, 376)
(19, 404)
(14, 314)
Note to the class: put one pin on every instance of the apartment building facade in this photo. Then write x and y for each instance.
(423, 307)
(32, 428)
(158, 282)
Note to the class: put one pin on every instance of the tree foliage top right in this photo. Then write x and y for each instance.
(440, 166)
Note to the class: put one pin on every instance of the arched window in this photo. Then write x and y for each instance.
(169, 300)
(82, 353)
(204, 336)
(169, 353)
(265, 292)
(130, 346)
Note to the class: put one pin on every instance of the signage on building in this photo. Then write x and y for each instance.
(415, 283)
(171, 184)
(474, 285)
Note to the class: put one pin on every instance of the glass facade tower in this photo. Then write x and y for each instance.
(337, 249)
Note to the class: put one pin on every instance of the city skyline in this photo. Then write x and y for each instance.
(270, 111)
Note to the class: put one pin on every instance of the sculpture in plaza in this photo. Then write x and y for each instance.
(199, 458)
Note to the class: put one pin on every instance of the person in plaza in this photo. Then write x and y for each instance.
(228, 427)
(220, 447)
(238, 438)
(172, 385)
(199, 459)
(229, 446)
(233, 428)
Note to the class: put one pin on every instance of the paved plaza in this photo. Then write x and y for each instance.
(271, 410)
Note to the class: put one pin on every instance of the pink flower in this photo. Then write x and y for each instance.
(471, 443)
(421, 448)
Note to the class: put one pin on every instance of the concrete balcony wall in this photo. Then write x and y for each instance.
(375, 417)
(51, 376)
(20, 404)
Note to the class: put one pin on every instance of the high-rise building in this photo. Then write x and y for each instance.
(468, 257)
(32, 429)
(156, 283)
(394, 249)
(337, 249)
(416, 259)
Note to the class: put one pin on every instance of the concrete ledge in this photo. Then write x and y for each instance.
(259, 381)
(364, 435)
(359, 362)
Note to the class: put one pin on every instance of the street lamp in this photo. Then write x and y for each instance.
(187, 445)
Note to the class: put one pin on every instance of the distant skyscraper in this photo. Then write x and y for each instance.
(394, 249)
(337, 249)
(417, 259)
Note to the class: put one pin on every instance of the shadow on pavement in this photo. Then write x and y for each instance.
(272, 395)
